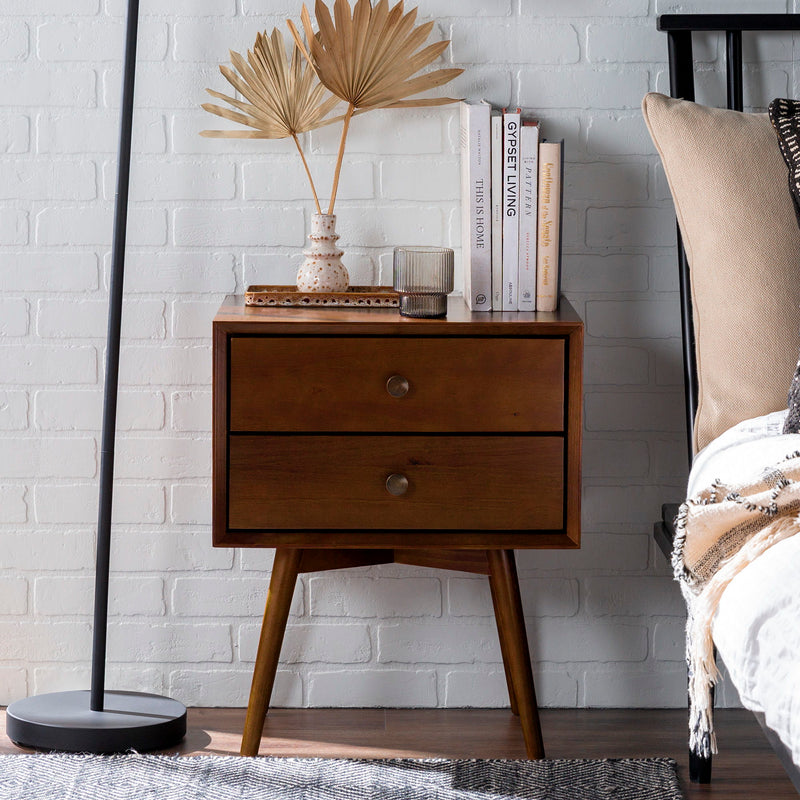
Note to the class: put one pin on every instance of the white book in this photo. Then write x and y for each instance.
(529, 180)
(548, 257)
(511, 202)
(476, 227)
(497, 211)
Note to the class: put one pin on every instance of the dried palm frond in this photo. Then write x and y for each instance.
(282, 97)
(367, 58)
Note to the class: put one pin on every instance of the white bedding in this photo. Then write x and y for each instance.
(757, 626)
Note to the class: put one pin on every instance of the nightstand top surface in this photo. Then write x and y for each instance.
(459, 320)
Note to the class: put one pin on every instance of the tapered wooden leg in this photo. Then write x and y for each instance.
(501, 631)
(279, 598)
(511, 629)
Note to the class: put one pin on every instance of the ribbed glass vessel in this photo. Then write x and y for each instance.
(423, 277)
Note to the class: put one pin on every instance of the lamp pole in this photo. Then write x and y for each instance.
(112, 362)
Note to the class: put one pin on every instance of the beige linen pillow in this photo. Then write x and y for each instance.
(728, 183)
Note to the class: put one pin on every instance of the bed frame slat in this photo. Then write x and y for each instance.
(681, 84)
(733, 63)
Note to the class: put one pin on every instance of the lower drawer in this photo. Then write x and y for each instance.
(451, 482)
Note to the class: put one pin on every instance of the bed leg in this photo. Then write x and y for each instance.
(699, 768)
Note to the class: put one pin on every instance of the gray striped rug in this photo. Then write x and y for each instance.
(147, 777)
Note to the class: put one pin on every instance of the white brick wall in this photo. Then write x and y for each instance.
(208, 217)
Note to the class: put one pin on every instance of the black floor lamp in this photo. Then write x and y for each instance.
(100, 721)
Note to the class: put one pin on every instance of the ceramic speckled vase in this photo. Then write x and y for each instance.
(323, 271)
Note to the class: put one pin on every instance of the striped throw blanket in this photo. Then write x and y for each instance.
(719, 532)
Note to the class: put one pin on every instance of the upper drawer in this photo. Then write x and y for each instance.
(328, 384)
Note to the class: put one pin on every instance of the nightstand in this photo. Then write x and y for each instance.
(356, 437)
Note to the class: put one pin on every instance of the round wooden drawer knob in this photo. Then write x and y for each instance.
(397, 484)
(397, 386)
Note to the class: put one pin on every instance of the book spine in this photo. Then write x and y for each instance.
(529, 180)
(511, 121)
(497, 212)
(475, 206)
(548, 256)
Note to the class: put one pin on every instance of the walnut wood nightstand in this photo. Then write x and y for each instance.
(356, 437)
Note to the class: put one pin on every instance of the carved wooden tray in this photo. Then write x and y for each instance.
(355, 296)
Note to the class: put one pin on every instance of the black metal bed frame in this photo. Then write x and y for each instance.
(679, 29)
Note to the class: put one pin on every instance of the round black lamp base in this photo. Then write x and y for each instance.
(65, 721)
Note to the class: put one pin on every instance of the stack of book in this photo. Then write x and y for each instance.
(511, 209)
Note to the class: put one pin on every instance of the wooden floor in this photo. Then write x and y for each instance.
(746, 768)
